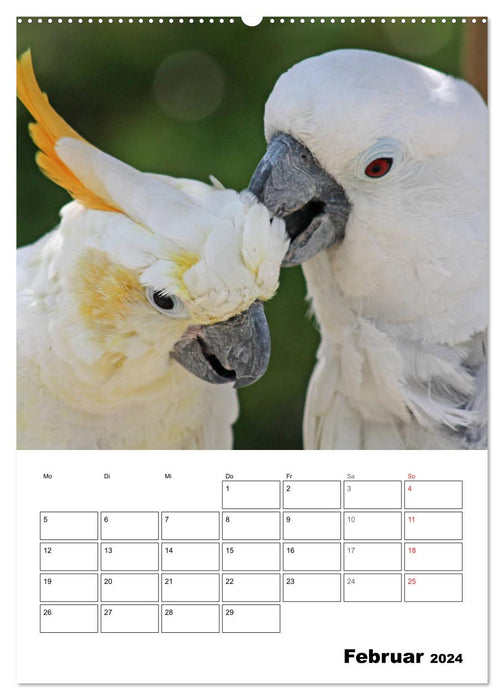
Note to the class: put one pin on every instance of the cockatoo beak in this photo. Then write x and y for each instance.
(295, 187)
(236, 350)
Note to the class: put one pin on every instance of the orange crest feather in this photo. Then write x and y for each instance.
(47, 131)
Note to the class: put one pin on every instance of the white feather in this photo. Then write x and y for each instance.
(107, 381)
(402, 301)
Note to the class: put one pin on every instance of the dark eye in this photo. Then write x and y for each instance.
(167, 304)
(379, 167)
(163, 301)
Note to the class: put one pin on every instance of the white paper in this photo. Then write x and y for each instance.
(286, 622)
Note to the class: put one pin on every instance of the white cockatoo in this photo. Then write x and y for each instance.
(379, 168)
(148, 286)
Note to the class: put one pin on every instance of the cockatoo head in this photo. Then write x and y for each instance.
(362, 140)
(146, 266)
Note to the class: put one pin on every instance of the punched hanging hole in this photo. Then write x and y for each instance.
(251, 21)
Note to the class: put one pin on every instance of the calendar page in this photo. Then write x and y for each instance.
(307, 568)
(213, 485)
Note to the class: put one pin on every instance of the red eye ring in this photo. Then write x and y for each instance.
(379, 167)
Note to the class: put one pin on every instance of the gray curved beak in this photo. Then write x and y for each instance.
(236, 350)
(295, 187)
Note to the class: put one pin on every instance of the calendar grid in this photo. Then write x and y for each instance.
(270, 544)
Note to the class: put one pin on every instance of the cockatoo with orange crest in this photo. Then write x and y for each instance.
(379, 168)
(141, 313)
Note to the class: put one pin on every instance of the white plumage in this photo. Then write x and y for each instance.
(96, 367)
(401, 301)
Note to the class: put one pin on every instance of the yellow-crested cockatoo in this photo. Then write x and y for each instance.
(379, 168)
(148, 285)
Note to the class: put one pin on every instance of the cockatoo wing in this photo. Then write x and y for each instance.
(450, 407)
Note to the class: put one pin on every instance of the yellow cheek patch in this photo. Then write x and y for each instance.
(105, 291)
(111, 362)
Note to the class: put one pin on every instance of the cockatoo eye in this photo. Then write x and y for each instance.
(167, 304)
(379, 167)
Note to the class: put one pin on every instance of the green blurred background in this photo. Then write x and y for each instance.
(187, 99)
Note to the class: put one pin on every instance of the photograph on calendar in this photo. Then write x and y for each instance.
(252, 237)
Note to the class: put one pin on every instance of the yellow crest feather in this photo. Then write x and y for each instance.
(47, 131)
